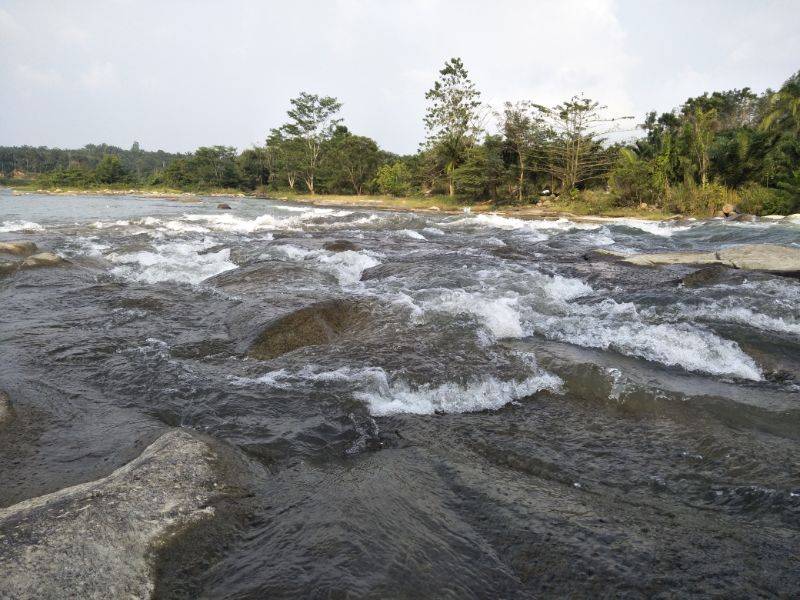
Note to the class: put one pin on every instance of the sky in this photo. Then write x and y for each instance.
(178, 74)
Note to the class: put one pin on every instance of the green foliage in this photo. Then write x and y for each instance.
(452, 120)
(139, 164)
(756, 199)
(351, 162)
(633, 180)
(482, 172)
(110, 170)
(252, 167)
(71, 177)
(689, 198)
(394, 179)
(312, 122)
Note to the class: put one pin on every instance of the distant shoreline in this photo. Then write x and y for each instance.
(439, 204)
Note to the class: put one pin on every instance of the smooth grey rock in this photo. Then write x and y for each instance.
(762, 257)
(43, 259)
(772, 258)
(672, 258)
(18, 248)
(97, 539)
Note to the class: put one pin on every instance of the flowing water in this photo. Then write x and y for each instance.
(516, 418)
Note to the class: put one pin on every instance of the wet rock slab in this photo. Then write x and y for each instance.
(97, 539)
(773, 258)
(23, 248)
(313, 325)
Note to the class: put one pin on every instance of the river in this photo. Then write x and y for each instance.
(514, 417)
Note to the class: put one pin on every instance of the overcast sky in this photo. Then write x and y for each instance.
(180, 74)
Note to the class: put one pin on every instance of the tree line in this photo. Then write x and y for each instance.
(730, 147)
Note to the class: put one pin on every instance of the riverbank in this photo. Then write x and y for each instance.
(440, 204)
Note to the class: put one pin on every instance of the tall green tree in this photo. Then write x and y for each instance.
(452, 119)
(524, 133)
(312, 121)
(110, 170)
(701, 126)
(353, 159)
(575, 152)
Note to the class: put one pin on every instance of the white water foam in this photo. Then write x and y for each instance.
(487, 393)
(496, 221)
(23, 226)
(547, 308)
(414, 235)
(385, 397)
(499, 315)
(177, 261)
(618, 326)
(346, 266)
(659, 228)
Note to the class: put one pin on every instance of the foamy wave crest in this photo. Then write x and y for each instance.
(513, 224)
(414, 235)
(488, 393)
(499, 315)
(743, 316)
(346, 266)
(386, 397)
(610, 325)
(23, 226)
(659, 228)
(232, 224)
(174, 261)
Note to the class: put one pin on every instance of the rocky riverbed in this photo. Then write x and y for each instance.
(276, 400)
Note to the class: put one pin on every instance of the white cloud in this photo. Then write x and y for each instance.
(226, 74)
(100, 76)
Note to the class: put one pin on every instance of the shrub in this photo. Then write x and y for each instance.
(394, 180)
(631, 181)
(689, 198)
(759, 200)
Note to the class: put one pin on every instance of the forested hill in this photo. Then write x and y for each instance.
(36, 160)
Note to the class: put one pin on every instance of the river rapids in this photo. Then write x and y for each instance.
(513, 416)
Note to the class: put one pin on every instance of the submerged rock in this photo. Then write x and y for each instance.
(341, 246)
(43, 259)
(7, 266)
(705, 276)
(772, 258)
(6, 411)
(18, 248)
(96, 539)
(319, 323)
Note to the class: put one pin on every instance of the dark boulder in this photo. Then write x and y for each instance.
(223, 206)
(341, 246)
(705, 276)
(317, 324)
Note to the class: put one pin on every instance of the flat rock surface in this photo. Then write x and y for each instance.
(673, 258)
(96, 539)
(762, 257)
(754, 257)
(18, 248)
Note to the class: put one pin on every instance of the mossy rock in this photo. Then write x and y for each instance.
(313, 325)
